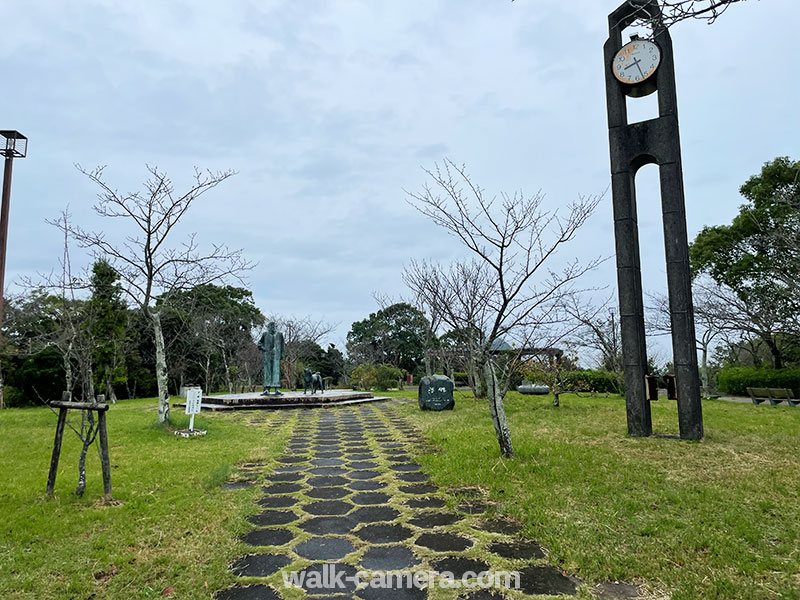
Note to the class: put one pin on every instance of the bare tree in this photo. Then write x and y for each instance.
(148, 264)
(507, 291)
(674, 11)
(248, 367)
(745, 317)
(460, 294)
(718, 313)
(298, 332)
(599, 331)
(54, 299)
(554, 368)
(58, 318)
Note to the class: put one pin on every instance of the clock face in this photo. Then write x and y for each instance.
(636, 61)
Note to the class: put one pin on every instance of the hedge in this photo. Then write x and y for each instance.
(460, 378)
(581, 380)
(736, 380)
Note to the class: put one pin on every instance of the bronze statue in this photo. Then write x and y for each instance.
(312, 381)
(271, 346)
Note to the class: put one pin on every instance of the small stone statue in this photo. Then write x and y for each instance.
(271, 346)
(312, 381)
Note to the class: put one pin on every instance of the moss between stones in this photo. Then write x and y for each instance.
(335, 461)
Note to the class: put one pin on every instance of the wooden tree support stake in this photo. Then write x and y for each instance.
(65, 405)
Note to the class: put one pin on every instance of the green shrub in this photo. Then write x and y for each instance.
(386, 376)
(596, 380)
(367, 376)
(736, 380)
(13, 398)
(33, 379)
(363, 377)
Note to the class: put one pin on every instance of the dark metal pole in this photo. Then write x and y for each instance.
(4, 228)
(3, 244)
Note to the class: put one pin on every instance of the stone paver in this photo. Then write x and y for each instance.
(347, 496)
(268, 537)
(260, 565)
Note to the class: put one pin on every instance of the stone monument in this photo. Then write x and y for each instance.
(636, 69)
(436, 393)
(271, 346)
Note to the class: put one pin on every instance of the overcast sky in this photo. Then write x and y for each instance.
(328, 111)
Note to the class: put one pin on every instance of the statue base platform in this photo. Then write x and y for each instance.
(255, 401)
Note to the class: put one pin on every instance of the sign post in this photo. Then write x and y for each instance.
(194, 401)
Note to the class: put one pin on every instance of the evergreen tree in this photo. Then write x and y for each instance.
(108, 327)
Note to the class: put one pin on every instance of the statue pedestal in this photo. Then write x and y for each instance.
(255, 400)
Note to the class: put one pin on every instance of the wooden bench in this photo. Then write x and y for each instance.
(774, 395)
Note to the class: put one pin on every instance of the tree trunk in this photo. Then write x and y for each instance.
(704, 370)
(244, 380)
(777, 357)
(620, 382)
(430, 337)
(208, 374)
(477, 378)
(228, 380)
(90, 395)
(88, 437)
(161, 369)
(498, 411)
(110, 394)
(68, 370)
(291, 374)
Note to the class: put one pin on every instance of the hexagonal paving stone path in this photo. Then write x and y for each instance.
(347, 496)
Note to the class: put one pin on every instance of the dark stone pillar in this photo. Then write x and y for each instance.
(631, 308)
(681, 309)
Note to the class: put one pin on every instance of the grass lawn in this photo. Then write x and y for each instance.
(173, 525)
(714, 519)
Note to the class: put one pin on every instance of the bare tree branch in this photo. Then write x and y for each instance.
(675, 11)
(148, 267)
(507, 289)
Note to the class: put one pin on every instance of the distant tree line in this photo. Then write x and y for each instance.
(87, 336)
(100, 345)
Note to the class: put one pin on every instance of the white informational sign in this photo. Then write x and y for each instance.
(194, 398)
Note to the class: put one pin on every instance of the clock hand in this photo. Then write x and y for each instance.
(635, 63)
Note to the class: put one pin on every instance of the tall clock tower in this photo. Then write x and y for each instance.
(636, 69)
